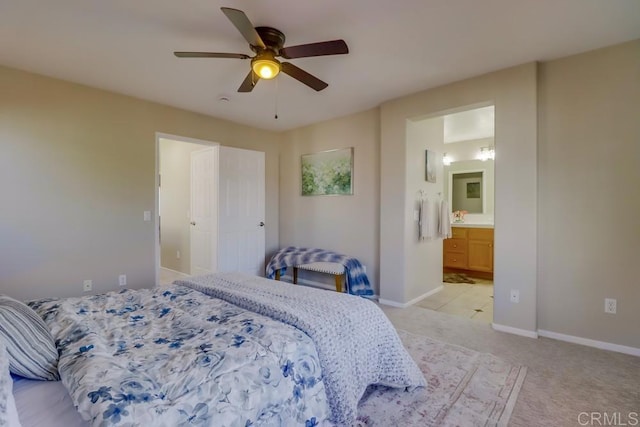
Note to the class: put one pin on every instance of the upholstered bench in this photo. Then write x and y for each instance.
(334, 268)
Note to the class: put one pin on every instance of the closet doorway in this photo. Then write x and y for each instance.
(187, 201)
(210, 201)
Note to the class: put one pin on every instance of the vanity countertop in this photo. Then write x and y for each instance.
(471, 225)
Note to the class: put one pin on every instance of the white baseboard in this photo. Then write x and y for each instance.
(392, 303)
(515, 331)
(174, 271)
(590, 343)
(413, 301)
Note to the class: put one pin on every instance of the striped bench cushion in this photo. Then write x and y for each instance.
(32, 351)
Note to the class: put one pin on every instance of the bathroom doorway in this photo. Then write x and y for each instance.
(468, 175)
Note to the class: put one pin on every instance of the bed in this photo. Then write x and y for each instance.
(226, 350)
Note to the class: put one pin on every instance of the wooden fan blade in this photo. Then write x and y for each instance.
(333, 47)
(303, 77)
(210, 55)
(242, 23)
(249, 82)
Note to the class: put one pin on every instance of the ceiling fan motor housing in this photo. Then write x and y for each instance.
(272, 38)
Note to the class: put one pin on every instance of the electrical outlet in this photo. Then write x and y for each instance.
(515, 296)
(87, 285)
(122, 280)
(177, 254)
(610, 305)
(147, 215)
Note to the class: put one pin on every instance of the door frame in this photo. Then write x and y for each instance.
(156, 216)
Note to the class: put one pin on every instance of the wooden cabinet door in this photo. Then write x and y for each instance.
(480, 255)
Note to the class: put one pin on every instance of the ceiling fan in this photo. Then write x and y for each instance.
(268, 43)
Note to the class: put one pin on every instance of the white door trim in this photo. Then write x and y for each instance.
(156, 216)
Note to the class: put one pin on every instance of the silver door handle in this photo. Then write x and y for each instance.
(192, 223)
(261, 224)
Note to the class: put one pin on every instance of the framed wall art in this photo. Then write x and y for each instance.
(430, 166)
(328, 173)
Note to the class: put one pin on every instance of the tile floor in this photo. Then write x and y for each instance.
(473, 301)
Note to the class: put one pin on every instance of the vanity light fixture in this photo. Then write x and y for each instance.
(446, 160)
(487, 153)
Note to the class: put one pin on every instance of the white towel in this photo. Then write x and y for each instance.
(427, 222)
(444, 229)
(422, 219)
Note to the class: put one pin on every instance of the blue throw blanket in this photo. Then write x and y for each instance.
(357, 345)
(357, 280)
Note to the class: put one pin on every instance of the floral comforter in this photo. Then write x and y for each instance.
(175, 356)
(356, 343)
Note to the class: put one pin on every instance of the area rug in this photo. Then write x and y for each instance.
(457, 278)
(465, 388)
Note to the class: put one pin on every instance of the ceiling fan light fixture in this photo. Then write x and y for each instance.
(268, 43)
(265, 65)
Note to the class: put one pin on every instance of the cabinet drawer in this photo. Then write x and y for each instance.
(455, 260)
(455, 245)
(458, 233)
(480, 234)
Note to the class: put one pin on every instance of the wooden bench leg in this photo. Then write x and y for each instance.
(295, 275)
(338, 282)
(278, 274)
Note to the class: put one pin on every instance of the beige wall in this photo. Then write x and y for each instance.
(423, 263)
(589, 157)
(346, 224)
(175, 203)
(78, 170)
(513, 92)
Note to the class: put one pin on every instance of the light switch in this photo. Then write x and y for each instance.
(147, 215)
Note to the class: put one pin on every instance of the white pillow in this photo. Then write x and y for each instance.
(8, 410)
(29, 344)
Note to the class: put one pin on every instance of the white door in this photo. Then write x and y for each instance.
(241, 237)
(203, 211)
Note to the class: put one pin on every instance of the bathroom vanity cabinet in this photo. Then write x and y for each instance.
(470, 251)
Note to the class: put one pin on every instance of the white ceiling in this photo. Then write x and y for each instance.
(396, 47)
(470, 124)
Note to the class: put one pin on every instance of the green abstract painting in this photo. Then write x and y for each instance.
(328, 173)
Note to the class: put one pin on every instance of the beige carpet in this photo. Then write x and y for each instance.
(563, 379)
(464, 388)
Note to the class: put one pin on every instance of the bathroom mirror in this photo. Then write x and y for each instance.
(467, 191)
(469, 186)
